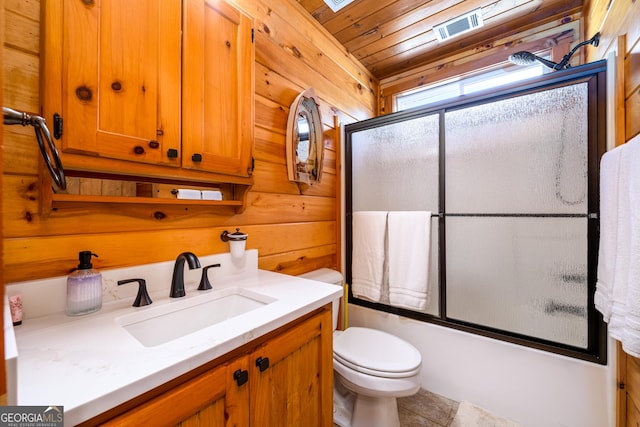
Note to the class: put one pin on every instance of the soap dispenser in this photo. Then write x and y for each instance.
(84, 287)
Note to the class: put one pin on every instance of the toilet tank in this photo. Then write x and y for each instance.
(333, 277)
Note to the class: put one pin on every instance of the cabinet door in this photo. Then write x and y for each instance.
(121, 78)
(214, 399)
(218, 88)
(295, 386)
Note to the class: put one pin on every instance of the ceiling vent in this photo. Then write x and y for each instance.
(460, 25)
(336, 5)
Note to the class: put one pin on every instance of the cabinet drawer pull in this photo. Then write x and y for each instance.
(262, 364)
(154, 144)
(172, 153)
(241, 377)
(197, 158)
(138, 149)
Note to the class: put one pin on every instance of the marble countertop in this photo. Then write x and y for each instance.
(90, 364)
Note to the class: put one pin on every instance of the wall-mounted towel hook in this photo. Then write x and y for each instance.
(13, 117)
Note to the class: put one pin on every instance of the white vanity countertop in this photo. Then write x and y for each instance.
(90, 364)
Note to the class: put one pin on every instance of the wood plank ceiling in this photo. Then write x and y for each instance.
(392, 36)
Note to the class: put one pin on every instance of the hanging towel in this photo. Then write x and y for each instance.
(409, 235)
(368, 254)
(609, 184)
(620, 298)
(626, 299)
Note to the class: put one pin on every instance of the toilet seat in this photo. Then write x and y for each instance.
(376, 353)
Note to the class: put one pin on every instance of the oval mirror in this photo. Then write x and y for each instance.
(305, 145)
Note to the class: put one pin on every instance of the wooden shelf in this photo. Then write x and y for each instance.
(51, 202)
(61, 199)
(234, 191)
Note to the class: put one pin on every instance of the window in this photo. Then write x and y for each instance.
(453, 88)
(511, 180)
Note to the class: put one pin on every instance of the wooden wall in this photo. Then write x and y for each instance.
(294, 228)
(619, 24)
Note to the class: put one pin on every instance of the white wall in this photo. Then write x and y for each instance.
(532, 387)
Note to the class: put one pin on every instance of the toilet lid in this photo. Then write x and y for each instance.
(376, 353)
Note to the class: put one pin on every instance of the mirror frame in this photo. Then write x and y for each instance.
(306, 106)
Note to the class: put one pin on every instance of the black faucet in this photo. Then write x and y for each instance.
(177, 282)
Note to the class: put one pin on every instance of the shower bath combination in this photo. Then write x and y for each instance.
(528, 58)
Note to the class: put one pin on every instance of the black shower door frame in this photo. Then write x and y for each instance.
(594, 75)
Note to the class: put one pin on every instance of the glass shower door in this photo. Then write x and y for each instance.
(395, 167)
(517, 215)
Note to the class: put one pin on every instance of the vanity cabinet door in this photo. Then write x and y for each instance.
(213, 399)
(218, 88)
(120, 63)
(292, 376)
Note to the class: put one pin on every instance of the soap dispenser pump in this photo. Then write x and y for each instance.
(84, 287)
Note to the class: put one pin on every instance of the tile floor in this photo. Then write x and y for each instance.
(426, 409)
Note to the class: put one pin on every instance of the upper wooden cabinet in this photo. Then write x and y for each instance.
(218, 88)
(148, 84)
(121, 79)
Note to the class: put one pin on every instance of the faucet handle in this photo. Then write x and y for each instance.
(204, 281)
(143, 297)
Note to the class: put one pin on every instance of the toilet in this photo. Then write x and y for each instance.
(372, 369)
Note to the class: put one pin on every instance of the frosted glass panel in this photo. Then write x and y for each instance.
(526, 154)
(523, 275)
(395, 167)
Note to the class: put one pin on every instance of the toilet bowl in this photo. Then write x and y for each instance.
(372, 369)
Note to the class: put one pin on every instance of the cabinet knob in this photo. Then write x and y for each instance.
(138, 149)
(197, 158)
(241, 377)
(262, 364)
(172, 153)
(154, 144)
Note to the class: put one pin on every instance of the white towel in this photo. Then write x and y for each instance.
(368, 254)
(619, 299)
(211, 195)
(609, 182)
(629, 296)
(409, 235)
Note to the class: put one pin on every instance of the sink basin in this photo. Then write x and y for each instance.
(158, 325)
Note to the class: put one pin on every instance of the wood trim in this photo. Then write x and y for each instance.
(3, 372)
(621, 390)
(338, 188)
(620, 125)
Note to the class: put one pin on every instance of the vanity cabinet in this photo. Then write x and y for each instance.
(283, 379)
(151, 88)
